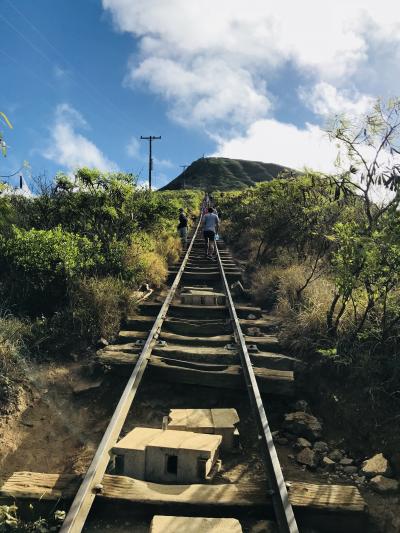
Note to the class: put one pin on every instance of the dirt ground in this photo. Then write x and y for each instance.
(55, 429)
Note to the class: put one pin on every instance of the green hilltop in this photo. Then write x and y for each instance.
(221, 173)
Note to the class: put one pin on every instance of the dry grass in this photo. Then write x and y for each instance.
(98, 306)
(12, 361)
(144, 263)
(303, 313)
(265, 284)
(169, 247)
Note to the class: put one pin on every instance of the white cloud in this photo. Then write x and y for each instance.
(276, 142)
(133, 148)
(211, 60)
(204, 90)
(326, 100)
(163, 163)
(71, 149)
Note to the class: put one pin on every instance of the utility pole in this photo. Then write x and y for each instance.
(151, 138)
(184, 168)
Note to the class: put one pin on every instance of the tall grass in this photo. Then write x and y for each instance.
(12, 361)
(303, 311)
(98, 305)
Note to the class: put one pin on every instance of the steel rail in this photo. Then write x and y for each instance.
(280, 499)
(82, 503)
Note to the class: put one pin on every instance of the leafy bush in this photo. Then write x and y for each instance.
(11, 522)
(39, 264)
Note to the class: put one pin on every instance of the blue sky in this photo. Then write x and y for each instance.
(81, 80)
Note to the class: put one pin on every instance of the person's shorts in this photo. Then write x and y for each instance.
(183, 232)
(209, 235)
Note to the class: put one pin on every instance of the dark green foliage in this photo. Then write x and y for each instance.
(37, 265)
(223, 174)
(11, 521)
(73, 257)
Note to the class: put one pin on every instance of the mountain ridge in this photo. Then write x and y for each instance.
(222, 173)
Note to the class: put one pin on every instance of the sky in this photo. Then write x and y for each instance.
(82, 80)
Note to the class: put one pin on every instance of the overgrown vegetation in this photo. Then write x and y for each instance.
(10, 521)
(325, 253)
(73, 257)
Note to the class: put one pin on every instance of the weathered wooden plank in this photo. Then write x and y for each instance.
(125, 354)
(333, 498)
(186, 325)
(210, 311)
(179, 310)
(265, 324)
(271, 381)
(269, 342)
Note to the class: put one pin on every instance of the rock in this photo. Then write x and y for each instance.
(359, 480)
(254, 332)
(85, 385)
(375, 466)
(308, 457)
(264, 526)
(349, 469)
(328, 464)
(346, 461)
(283, 441)
(302, 405)
(384, 485)
(335, 455)
(275, 434)
(251, 317)
(303, 425)
(320, 447)
(102, 342)
(302, 443)
(290, 456)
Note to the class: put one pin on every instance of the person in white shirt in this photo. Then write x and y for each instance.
(210, 230)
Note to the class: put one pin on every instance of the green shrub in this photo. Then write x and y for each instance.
(10, 522)
(39, 264)
(142, 263)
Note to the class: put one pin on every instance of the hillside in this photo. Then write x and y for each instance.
(211, 173)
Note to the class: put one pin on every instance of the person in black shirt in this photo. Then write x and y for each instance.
(183, 227)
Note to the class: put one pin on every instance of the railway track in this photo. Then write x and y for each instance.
(192, 335)
(196, 269)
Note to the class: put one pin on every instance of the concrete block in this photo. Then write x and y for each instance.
(212, 421)
(202, 297)
(167, 456)
(190, 524)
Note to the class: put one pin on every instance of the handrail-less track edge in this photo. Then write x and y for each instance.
(81, 505)
(283, 509)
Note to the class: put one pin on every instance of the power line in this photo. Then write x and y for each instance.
(93, 87)
(30, 71)
(183, 171)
